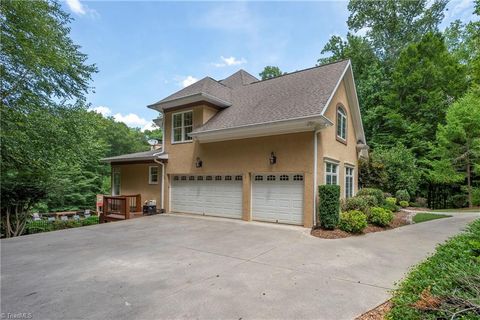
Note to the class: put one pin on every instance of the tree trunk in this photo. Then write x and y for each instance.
(469, 184)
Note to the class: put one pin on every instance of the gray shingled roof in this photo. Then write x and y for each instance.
(206, 85)
(138, 156)
(297, 94)
(238, 79)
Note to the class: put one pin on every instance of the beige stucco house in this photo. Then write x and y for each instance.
(249, 149)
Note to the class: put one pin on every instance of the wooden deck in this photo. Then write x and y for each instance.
(121, 207)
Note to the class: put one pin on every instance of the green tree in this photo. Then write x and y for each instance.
(425, 80)
(400, 169)
(270, 72)
(457, 150)
(44, 77)
(392, 24)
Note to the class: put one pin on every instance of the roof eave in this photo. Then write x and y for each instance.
(301, 124)
(198, 97)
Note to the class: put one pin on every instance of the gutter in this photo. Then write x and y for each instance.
(161, 163)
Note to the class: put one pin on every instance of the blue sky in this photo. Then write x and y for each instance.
(147, 50)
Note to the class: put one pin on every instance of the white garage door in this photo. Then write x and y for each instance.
(214, 195)
(278, 198)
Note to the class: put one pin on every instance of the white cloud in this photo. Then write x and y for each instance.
(458, 7)
(188, 81)
(105, 111)
(149, 126)
(132, 120)
(230, 61)
(77, 7)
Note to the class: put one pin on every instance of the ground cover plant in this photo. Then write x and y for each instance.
(446, 285)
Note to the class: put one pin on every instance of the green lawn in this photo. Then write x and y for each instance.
(476, 209)
(444, 286)
(424, 216)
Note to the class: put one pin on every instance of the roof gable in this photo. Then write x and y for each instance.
(297, 94)
(238, 79)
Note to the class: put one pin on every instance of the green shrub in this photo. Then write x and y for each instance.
(380, 216)
(451, 274)
(403, 204)
(38, 226)
(329, 205)
(353, 221)
(89, 221)
(362, 203)
(390, 204)
(402, 195)
(377, 193)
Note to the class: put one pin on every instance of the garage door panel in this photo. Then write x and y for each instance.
(207, 197)
(278, 198)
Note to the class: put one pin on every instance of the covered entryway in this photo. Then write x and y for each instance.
(278, 198)
(214, 195)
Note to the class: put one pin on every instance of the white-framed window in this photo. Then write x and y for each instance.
(331, 173)
(116, 182)
(341, 123)
(153, 175)
(182, 125)
(349, 179)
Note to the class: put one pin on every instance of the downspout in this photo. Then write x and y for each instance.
(161, 163)
(315, 173)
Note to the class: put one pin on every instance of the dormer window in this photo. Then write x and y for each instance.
(182, 125)
(341, 124)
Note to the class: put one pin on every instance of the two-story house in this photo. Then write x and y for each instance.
(249, 149)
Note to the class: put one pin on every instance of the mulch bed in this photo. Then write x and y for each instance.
(377, 313)
(400, 219)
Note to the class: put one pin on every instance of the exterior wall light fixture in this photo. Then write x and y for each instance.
(273, 158)
(198, 163)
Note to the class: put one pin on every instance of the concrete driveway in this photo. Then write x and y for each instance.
(187, 267)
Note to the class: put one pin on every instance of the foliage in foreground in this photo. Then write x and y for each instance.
(446, 283)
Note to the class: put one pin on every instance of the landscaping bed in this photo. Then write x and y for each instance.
(446, 285)
(400, 219)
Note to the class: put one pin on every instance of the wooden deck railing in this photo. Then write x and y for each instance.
(120, 207)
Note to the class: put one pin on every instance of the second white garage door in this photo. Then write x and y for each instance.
(214, 195)
(278, 198)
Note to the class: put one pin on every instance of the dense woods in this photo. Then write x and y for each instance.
(419, 92)
(50, 143)
(419, 97)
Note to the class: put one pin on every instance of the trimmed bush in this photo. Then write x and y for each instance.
(402, 195)
(353, 221)
(380, 216)
(329, 205)
(377, 193)
(362, 203)
(403, 204)
(390, 204)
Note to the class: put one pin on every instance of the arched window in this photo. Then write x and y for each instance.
(341, 124)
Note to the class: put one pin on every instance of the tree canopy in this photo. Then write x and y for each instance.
(270, 72)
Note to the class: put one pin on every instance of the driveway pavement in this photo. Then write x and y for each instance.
(187, 267)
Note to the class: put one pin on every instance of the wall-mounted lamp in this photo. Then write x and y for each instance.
(273, 158)
(198, 163)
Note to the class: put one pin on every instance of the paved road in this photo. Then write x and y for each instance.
(186, 267)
